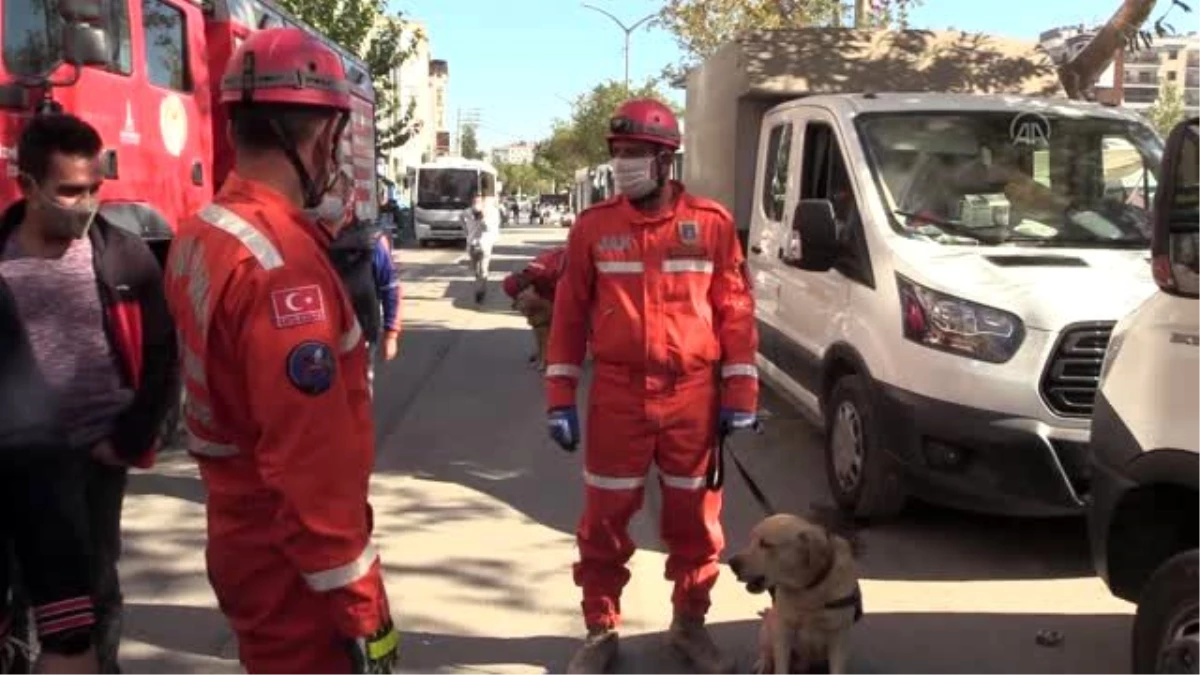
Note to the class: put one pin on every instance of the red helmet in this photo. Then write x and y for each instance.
(644, 119)
(286, 65)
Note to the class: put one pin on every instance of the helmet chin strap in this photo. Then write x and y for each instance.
(308, 187)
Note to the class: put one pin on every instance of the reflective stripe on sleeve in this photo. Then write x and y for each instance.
(563, 370)
(739, 370)
(351, 337)
(682, 482)
(223, 219)
(620, 267)
(680, 265)
(206, 448)
(613, 482)
(343, 575)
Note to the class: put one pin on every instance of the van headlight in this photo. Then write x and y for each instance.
(944, 322)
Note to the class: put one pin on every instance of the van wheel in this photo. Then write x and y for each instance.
(862, 476)
(1166, 630)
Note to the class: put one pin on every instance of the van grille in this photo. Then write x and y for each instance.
(1073, 371)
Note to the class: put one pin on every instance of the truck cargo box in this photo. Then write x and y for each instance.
(729, 93)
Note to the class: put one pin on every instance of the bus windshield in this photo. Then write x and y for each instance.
(447, 188)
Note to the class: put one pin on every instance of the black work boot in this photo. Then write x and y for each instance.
(597, 653)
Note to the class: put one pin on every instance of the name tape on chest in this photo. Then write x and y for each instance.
(297, 306)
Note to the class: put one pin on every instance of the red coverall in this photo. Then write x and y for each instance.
(662, 300)
(278, 416)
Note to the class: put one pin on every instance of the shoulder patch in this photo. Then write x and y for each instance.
(311, 367)
(297, 306)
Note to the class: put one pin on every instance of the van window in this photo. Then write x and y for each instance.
(775, 171)
(33, 36)
(824, 175)
(166, 45)
(1127, 178)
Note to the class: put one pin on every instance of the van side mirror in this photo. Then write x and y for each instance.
(1175, 243)
(81, 11)
(85, 45)
(813, 243)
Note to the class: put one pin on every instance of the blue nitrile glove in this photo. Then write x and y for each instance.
(736, 420)
(563, 424)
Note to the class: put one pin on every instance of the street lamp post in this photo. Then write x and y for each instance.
(628, 31)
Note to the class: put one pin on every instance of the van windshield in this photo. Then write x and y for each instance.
(447, 188)
(1028, 178)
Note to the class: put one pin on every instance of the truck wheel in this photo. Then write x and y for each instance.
(1166, 630)
(862, 476)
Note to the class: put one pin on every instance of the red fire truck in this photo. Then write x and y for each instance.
(146, 74)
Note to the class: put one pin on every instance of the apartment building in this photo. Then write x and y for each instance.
(1144, 72)
(420, 81)
(514, 153)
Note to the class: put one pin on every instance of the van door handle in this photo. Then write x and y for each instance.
(756, 249)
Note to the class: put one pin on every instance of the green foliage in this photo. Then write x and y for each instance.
(469, 143)
(523, 179)
(1168, 110)
(701, 26)
(383, 40)
(579, 141)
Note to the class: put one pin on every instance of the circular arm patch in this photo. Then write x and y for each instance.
(311, 367)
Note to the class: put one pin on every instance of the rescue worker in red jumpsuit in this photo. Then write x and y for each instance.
(655, 283)
(278, 412)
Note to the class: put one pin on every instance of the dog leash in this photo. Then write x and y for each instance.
(715, 476)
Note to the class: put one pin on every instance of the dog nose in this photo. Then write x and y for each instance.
(735, 564)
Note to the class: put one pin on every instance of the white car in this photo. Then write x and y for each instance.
(1146, 437)
(936, 277)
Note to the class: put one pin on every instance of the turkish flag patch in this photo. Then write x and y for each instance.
(297, 306)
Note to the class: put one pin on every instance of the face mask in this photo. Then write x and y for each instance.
(330, 213)
(68, 222)
(634, 176)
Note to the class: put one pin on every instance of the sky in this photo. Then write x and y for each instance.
(519, 63)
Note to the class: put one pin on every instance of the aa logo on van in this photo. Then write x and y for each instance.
(1030, 128)
(688, 232)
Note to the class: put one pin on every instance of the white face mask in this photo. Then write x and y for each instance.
(634, 176)
(330, 213)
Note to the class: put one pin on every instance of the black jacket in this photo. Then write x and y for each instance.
(138, 326)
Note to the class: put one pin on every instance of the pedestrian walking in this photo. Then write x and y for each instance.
(483, 229)
(89, 296)
(655, 281)
(278, 410)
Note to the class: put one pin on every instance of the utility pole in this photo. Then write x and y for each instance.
(628, 32)
(468, 117)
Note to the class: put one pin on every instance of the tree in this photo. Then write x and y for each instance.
(468, 145)
(1123, 30)
(579, 141)
(521, 178)
(1168, 110)
(701, 26)
(383, 41)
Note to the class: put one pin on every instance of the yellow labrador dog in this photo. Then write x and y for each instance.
(813, 581)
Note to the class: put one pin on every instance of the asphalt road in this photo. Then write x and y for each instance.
(475, 513)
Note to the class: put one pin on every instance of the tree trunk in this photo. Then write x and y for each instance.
(861, 13)
(1079, 75)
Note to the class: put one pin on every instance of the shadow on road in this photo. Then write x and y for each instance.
(898, 643)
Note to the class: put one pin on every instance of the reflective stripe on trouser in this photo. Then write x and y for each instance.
(282, 625)
(630, 426)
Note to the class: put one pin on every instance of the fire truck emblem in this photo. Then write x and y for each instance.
(173, 123)
(129, 132)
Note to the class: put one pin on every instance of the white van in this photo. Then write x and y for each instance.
(1145, 502)
(446, 191)
(937, 277)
